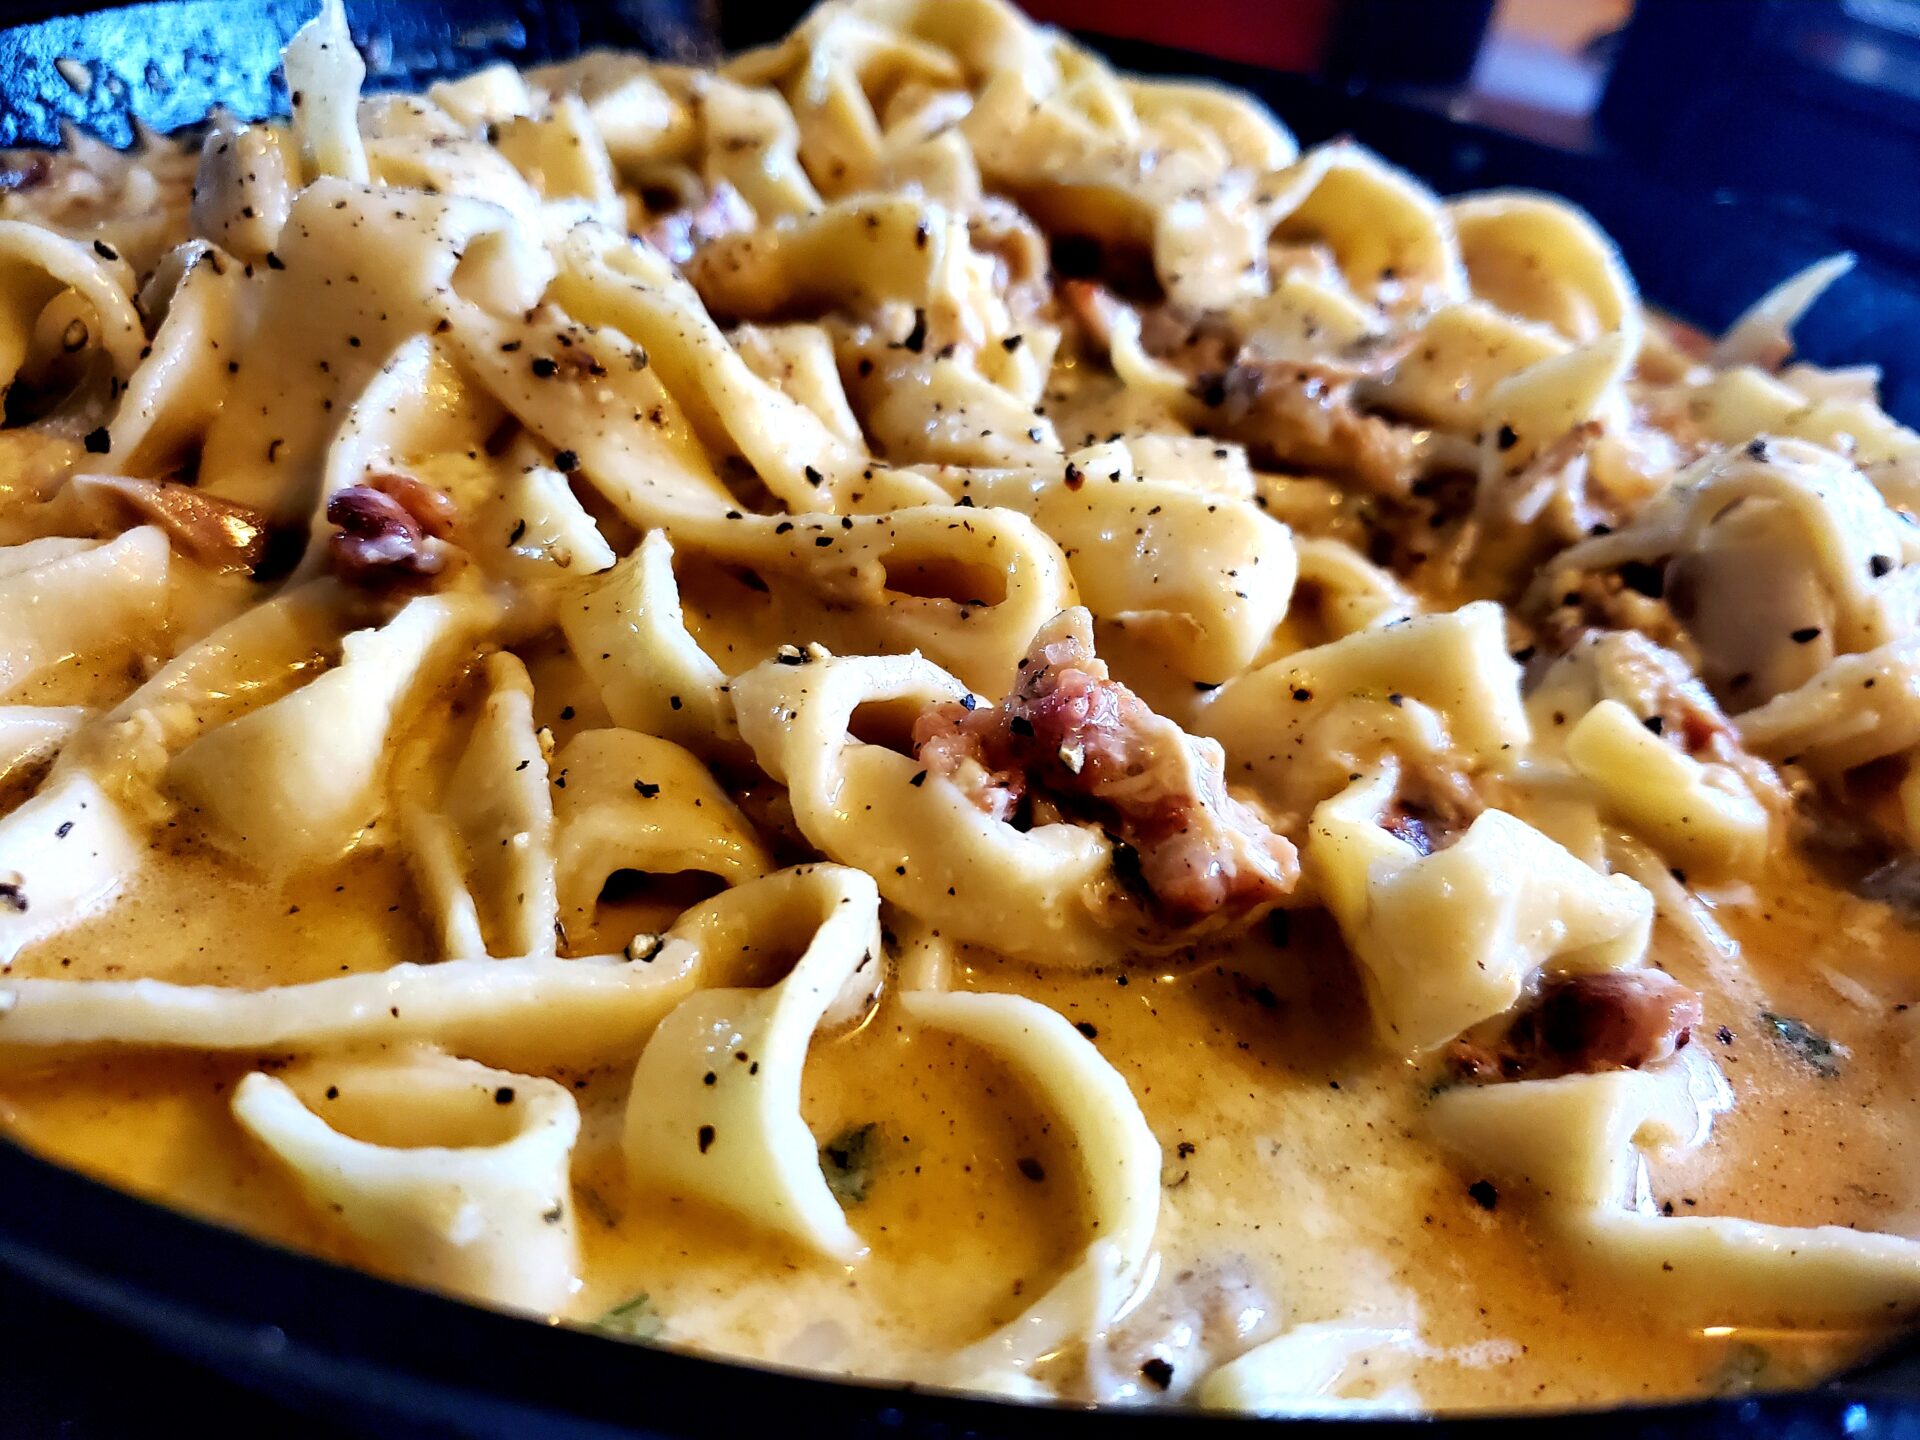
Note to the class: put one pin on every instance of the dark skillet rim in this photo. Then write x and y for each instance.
(290, 1324)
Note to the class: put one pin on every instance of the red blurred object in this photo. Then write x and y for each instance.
(1279, 34)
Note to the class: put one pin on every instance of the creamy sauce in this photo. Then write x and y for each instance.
(1295, 1160)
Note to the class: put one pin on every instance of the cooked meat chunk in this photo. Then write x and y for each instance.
(218, 533)
(381, 538)
(1584, 1024)
(1086, 743)
(1305, 415)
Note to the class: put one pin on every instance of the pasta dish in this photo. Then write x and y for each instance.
(915, 709)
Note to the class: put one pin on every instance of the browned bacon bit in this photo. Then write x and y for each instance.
(379, 539)
(432, 509)
(1091, 746)
(953, 748)
(1581, 1025)
(219, 533)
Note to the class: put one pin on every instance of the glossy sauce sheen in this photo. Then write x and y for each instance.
(1294, 1158)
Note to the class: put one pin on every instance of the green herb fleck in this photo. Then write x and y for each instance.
(633, 1319)
(848, 1161)
(1809, 1045)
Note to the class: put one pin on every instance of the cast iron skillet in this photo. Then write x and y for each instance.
(396, 1360)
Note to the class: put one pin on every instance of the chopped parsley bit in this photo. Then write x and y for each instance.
(1507, 439)
(814, 477)
(105, 251)
(544, 368)
(1012, 343)
(919, 779)
(1031, 1168)
(1484, 1195)
(66, 829)
(1087, 1028)
(1880, 565)
(1156, 1372)
(634, 1319)
(647, 789)
(566, 462)
(1808, 1045)
(847, 1161)
(705, 1138)
(503, 1096)
(98, 441)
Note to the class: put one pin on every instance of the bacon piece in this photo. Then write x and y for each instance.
(1584, 1024)
(380, 540)
(431, 509)
(220, 533)
(1087, 743)
(953, 748)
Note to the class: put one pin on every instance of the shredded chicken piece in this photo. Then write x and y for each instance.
(1584, 1024)
(1306, 415)
(1091, 746)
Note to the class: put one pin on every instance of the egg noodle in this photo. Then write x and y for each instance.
(913, 708)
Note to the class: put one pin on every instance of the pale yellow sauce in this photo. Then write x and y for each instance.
(1294, 1151)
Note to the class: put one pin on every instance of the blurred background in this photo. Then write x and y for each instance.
(1813, 102)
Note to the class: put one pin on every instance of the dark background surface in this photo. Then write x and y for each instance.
(1721, 160)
